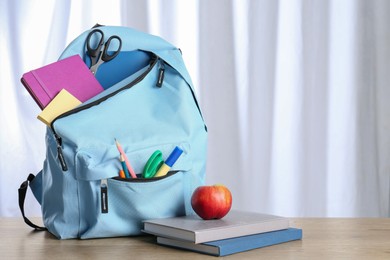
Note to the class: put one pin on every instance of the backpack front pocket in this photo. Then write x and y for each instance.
(111, 206)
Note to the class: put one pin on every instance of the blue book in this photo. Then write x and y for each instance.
(235, 245)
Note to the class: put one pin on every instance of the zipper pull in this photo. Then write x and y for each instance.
(161, 73)
(104, 195)
(60, 154)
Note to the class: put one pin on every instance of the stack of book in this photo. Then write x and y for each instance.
(237, 232)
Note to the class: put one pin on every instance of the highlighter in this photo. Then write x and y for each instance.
(166, 166)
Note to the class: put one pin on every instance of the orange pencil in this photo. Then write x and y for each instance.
(122, 174)
(132, 173)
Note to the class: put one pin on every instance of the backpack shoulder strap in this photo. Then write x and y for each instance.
(22, 197)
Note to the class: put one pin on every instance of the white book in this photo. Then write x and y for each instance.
(234, 224)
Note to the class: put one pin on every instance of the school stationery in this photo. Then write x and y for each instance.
(196, 230)
(237, 244)
(124, 167)
(97, 55)
(70, 73)
(122, 174)
(124, 157)
(63, 102)
(172, 158)
(153, 164)
(79, 189)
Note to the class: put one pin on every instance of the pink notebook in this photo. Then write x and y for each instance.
(71, 74)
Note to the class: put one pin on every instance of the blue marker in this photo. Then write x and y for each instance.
(166, 166)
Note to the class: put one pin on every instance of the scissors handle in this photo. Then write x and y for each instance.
(94, 52)
(105, 55)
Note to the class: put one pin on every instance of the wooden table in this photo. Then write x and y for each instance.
(323, 238)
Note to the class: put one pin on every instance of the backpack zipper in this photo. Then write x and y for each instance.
(161, 73)
(60, 154)
(104, 196)
(145, 180)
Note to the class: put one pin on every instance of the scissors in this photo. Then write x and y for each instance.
(96, 54)
(153, 164)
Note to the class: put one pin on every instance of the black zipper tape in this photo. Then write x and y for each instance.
(141, 179)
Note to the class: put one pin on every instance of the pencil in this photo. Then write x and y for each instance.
(124, 167)
(129, 168)
(122, 174)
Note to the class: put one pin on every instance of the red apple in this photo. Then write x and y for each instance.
(211, 202)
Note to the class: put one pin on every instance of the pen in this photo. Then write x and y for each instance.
(129, 168)
(125, 170)
(172, 158)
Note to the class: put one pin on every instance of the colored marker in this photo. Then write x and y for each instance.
(172, 158)
(124, 166)
(129, 168)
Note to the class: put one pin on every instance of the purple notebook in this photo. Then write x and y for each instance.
(71, 74)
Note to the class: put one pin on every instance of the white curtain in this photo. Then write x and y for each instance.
(294, 93)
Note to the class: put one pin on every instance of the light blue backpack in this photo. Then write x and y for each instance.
(150, 105)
